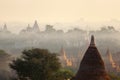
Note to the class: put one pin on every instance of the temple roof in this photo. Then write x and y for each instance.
(92, 66)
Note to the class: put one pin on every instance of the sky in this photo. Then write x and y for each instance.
(50, 11)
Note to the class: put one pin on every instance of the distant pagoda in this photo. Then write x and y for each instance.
(92, 66)
(5, 27)
(36, 27)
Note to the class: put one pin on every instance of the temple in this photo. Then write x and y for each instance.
(92, 66)
(36, 27)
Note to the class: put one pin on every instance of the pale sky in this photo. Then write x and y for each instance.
(59, 10)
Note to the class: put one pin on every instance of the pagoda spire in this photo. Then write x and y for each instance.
(5, 27)
(92, 43)
(36, 27)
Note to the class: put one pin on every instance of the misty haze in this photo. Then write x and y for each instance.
(59, 40)
(70, 45)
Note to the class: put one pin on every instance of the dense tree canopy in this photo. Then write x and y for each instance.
(36, 64)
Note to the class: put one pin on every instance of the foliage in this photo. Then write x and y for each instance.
(36, 64)
(114, 77)
(63, 74)
(3, 53)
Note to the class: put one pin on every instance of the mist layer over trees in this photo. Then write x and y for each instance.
(74, 40)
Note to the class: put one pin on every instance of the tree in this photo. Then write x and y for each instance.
(4, 59)
(63, 74)
(36, 64)
(4, 56)
(114, 77)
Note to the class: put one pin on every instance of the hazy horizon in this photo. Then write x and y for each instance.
(63, 14)
(17, 26)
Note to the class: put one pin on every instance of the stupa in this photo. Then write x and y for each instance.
(92, 66)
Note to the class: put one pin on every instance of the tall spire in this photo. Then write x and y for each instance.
(92, 43)
(111, 59)
(28, 25)
(92, 66)
(5, 27)
(35, 24)
(36, 27)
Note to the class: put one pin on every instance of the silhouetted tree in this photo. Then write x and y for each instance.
(36, 64)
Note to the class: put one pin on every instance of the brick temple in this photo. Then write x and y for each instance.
(92, 66)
